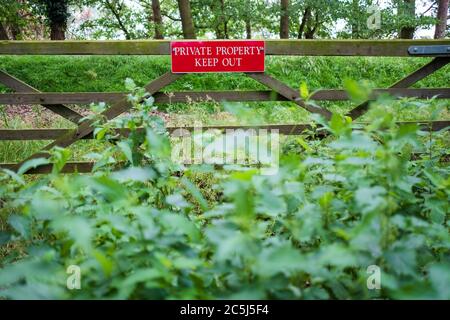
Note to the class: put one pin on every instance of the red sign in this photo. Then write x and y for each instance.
(217, 56)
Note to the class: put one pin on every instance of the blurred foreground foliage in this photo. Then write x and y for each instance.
(335, 207)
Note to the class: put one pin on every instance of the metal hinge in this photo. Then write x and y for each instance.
(441, 50)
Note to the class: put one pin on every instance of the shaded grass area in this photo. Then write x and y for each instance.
(107, 74)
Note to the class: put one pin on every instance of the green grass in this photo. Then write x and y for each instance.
(107, 74)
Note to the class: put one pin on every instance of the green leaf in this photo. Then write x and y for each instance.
(340, 124)
(77, 228)
(106, 263)
(280, 259)
(126, 149)
(438, 209)
(31, 164)
(439, 275)
(179, 223)
(304, 92)
(357, 92)
(15, 176)
(34, 291)
(135, 174)
(149, 101)
(4, 237)
(271, 205)
(402, 261)
(356, 141)
(109, 188)
(304, 144)
(177, 200)
(370, 198)
(336, 255)
(21, 224)
(45, 208)
(195, 192)
(129, 84)
(159, 144)
(99, 133)
(59, 157)
(16, 271)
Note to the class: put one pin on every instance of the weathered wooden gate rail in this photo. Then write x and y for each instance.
(26, 94)
(379, 48)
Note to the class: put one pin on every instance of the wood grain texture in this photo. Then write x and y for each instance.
(285, 129)
(392, 48)
(56, 99)
(289, 93)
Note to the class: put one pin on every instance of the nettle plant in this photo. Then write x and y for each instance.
(140, 227)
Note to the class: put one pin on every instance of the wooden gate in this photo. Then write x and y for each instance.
(277, 90)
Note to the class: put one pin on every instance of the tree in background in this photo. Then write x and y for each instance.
(313, 18)
(304, 19)
(407, 13)
(247, 17)
(6, 16)
(355, 19)
(233, 19)
(408, 20)
(157, 19)
(116, 19)
(56, 13)
(12, 19)
(441, 15)
(397, 19)
(118, 9)
(284, 19)
(154, 18)
(3, 32)
(186, 19)
(214, 16)
(222, 19)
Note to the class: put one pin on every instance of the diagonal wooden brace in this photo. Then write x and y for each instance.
(416, 76)
(119, 107)
(288, 93)
(21, 86)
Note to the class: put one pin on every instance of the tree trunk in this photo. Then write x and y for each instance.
(442, 13)
(284, 19)
(57, 13)
(157, 19)
(312, 26)
(57, 31)
(354, 19)
(223, 19)
(225, 29)
(3, 33)
(186, 19)
(218, 32)
(305, 18)
(407, 8)
(248, 29)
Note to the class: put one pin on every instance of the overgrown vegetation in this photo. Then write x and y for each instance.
(154, 230)
(91, 74)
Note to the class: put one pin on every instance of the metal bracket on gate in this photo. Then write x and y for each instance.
(441, 50)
